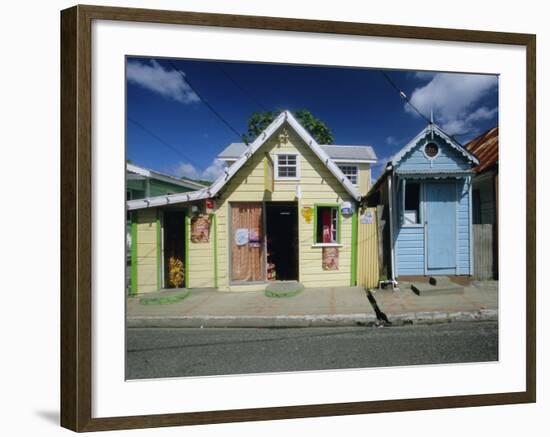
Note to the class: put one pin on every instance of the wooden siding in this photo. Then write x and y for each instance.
(318, 185)
(367, 251)
(200, 269)
(463, 228)
(409, 252)
(364, 178)
(484, 249)
(447, 159)
(485, 211)
(410, 241)
(146, 250)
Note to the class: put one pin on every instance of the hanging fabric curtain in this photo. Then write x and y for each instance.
(247, 247)
(327, 228)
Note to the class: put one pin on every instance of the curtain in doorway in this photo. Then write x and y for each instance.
(247, 242)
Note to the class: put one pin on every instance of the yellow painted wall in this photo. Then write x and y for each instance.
(318, 186)
(367, 251)
(364, 178)
(200, 273)
(146, 250)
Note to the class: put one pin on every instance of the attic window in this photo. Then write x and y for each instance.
(431, 150)
(287, 166)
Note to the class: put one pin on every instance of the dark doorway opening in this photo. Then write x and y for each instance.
(282, 241)
(174, 249)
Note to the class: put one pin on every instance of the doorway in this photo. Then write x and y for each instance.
(174, 273)
(247, 242)
(282, 241)
(441, 225)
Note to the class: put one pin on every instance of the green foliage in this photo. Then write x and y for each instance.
(285, 293)
(165, 300)
(317, 128)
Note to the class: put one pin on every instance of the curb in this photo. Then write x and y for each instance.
(309, 321)
(427, 318)
(302, 321)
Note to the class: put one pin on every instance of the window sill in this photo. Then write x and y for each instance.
(327, 245)
(282, 178)
(417, 225)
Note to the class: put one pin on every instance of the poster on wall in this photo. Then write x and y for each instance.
(200, 229)
(330, 258)
(307, 214)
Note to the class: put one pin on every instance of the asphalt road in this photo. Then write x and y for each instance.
(158, 352)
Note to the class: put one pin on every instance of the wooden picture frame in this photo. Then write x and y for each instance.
(76, 217)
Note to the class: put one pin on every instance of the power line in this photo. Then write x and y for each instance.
(404, 96)
(243, 90)
(162, 141)
(203, 100)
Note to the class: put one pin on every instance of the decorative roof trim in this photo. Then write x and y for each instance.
(430, 130)
(236, 166)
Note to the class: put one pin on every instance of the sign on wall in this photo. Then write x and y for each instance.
(330, 258)
(366, 218)
(307, 214)
(200, 229)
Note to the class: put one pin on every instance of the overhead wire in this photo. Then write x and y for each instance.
(407, 100)
(161, 141)
(203, 100)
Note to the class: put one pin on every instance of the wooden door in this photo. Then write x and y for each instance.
(247, 242)
(441, 225)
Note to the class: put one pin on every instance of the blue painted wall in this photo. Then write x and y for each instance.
(409, 241)
(463, 228)
(410, 251)
(447, 159)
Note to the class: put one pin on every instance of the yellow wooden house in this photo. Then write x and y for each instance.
(285, 209)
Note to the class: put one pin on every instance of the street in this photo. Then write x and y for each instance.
(159, 352)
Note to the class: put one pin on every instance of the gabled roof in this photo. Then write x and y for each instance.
(152, 174)
(436, 130)
(485, 147)
(215, 188)
(336, 152)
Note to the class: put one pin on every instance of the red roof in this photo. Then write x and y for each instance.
(485, 147)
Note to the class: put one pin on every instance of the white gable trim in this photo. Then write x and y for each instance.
(428, 130)
(229, 172)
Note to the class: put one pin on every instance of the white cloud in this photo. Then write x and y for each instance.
(211, 173)
(167, 83)
(453, 97)
(424, 75)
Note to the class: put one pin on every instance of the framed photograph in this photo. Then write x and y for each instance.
(223, 176)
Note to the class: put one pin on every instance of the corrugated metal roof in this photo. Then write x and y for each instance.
(485, 147)
(334, 151)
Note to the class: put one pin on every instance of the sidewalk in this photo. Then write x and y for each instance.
(479, 302)
(342, 306)
(339, 306)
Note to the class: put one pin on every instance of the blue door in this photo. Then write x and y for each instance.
(441, 226)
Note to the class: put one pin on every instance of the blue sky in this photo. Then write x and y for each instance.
(170, 128)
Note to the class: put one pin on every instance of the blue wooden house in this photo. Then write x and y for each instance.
(424, 200)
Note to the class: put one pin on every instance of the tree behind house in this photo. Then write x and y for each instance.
(258, 121)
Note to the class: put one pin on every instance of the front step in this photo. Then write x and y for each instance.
(437, 285)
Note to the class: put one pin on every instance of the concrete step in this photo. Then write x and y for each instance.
(443, 286)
